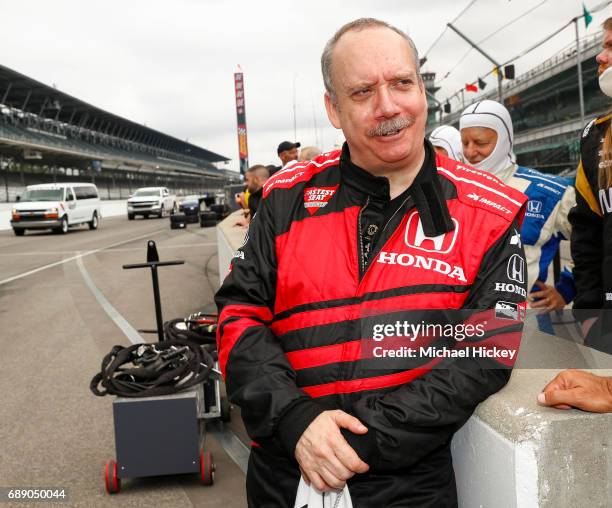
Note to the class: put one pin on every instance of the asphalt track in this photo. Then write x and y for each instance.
(57, 297)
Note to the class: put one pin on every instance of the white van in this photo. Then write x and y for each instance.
(56, 206)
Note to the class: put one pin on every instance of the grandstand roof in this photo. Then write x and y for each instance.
(22, 92)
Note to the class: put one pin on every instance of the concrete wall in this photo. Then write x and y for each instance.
(546, 457)
(513, 453)
(111, 184)
(229, 239)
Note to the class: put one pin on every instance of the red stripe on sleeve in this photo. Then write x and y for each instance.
(264, 314)
(249, 316)
(231, 333)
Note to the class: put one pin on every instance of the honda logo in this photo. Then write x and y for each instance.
(534, 206)
(416, 238)
(516, 269)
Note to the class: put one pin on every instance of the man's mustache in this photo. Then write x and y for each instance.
(388, 126)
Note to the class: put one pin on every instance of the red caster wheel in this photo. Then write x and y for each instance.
(111, 482)
(207, 468)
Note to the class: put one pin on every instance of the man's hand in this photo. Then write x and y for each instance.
(325, 458)
(547, 298)
(576, 388)
(243, 222)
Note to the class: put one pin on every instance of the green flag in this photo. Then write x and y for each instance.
(587, 15)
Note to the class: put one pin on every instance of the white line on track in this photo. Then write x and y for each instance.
(80, 255)
(178, 246)
(129, 331)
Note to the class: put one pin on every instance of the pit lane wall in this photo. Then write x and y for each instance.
(513, 453)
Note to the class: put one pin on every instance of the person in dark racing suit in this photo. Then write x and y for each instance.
(591, 218)
(354, 240)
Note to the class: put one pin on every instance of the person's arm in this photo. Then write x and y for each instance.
(410, 422)
(566, 286)
(549, 297)
(259, 378)
(579, 389)
(586, 247)
(556, 297)
(562, 224)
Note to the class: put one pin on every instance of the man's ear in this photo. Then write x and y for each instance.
(332, 111)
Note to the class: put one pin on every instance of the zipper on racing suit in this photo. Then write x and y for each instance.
(376, 235)
(362, 261)
(375, 240)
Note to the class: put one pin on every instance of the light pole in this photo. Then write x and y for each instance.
(294, 116)
(497, 65)
(579, 65)
(438, 103)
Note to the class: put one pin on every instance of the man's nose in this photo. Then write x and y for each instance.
(601, 58)
(386, 105)
(468, 151)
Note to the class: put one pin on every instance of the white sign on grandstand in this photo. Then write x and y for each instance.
(31, 154)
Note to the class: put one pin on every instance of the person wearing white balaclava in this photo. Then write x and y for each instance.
(447, 141)
(493, 116)
(487, 138)
(591, 241)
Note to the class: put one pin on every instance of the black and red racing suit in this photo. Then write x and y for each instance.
(327, 252)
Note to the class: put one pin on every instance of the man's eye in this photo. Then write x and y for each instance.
(361, 93)
(404, 82)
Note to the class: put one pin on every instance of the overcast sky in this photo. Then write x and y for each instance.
(170, 64)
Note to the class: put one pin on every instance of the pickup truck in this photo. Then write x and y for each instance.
(151, 201)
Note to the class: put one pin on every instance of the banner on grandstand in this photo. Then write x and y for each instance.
(31, 154)
(243, 148)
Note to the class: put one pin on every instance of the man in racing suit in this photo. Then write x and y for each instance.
(383, 229)
(592, 217)
(487, 134)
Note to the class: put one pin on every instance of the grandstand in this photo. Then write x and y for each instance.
(47, 135)
(545, 108)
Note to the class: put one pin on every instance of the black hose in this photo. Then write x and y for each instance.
(146, 370)
(198, 334)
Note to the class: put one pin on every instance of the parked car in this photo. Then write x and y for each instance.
(190, 206)
(212, 210)
(151, 201)
(56, 206)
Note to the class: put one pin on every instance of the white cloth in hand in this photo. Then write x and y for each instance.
(309, 497)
